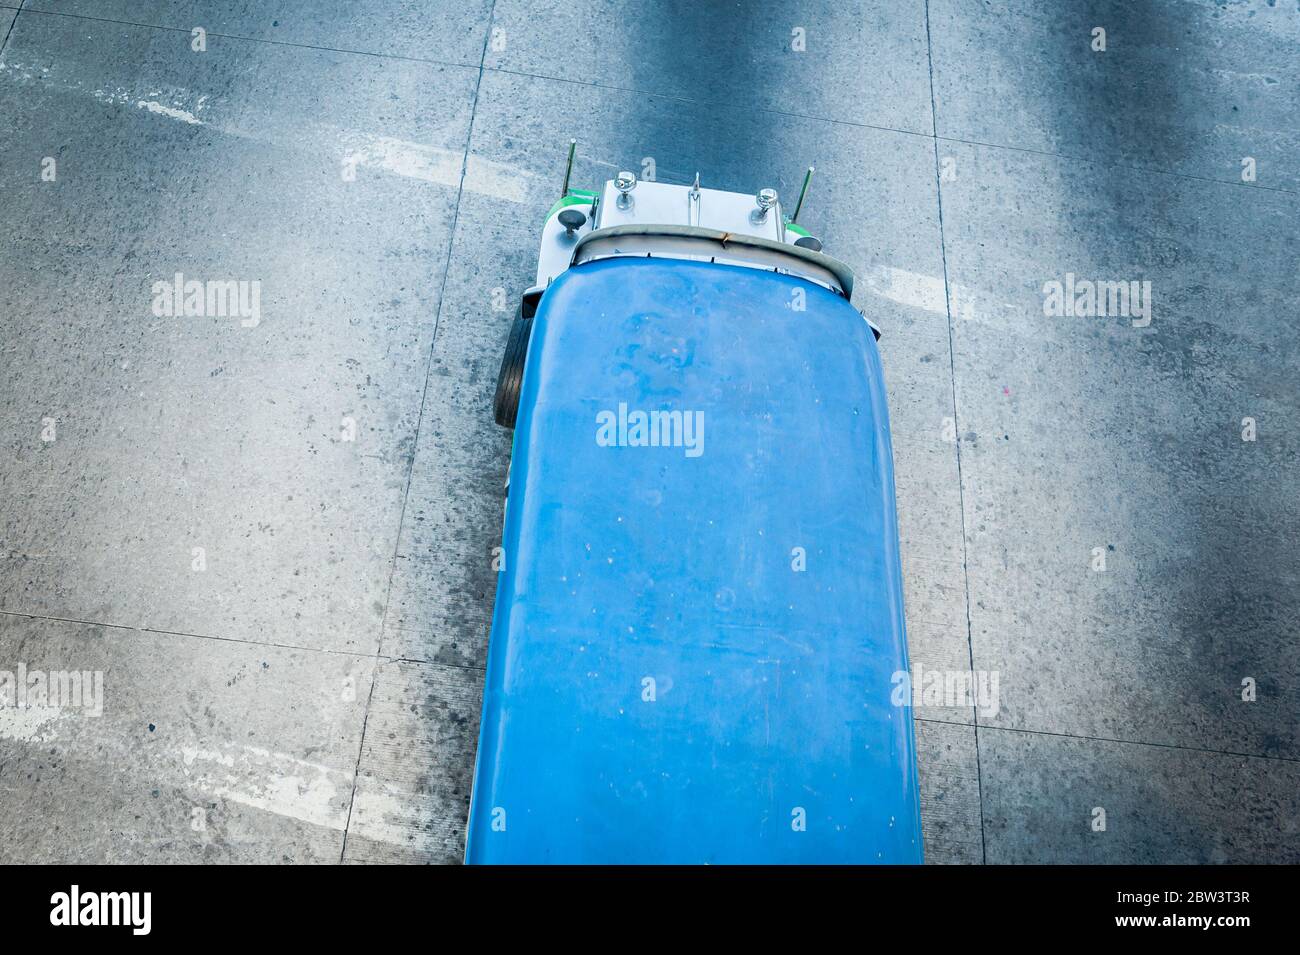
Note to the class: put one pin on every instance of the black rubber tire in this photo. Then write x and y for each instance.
(506, 404)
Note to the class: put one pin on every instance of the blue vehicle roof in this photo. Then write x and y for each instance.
(668, 679)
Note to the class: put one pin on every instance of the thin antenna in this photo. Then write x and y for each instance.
(568, 168)
(807, 178)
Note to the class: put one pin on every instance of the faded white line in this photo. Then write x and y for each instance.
(914, 289)
(29, 724)
(408, 159)
(396, 819)
(272, 782)
(499, 180)
(434, 164)
(183, 115)
(355, 149)
(926, 292)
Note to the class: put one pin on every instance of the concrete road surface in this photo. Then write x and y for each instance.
(267, 535)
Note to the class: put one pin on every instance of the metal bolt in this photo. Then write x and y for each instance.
(766, 199)
(624, 182)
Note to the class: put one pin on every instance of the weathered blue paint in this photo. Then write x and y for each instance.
(663, 685)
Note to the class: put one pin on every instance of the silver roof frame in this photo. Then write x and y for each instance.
(696, 242)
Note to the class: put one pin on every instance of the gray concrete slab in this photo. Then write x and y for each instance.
(1190, 86)
(279, 444)
(950, 793)
(1088, 432)
(444, 579)
(201, 750)
(851, 61)
(417, 766)
(914, 351)
(448, 31)
(1158, 805)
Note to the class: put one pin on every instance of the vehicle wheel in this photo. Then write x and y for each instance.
(506, 405)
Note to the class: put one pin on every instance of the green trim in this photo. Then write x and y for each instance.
(796, 229)
(576, 197)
